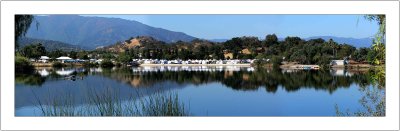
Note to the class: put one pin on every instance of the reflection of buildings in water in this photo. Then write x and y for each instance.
(341, 72)
(232, 68)
(43, 72)
(96, 70)
(250, 69)
(289, 70)
(65, 72)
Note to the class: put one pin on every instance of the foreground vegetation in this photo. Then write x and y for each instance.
(108, 103)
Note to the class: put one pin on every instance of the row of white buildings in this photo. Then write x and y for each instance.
(186, 62)
(65, 59)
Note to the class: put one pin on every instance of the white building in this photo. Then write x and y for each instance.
(337, 63)
(44, 59)
(63, 58)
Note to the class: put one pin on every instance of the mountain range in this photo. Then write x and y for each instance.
(92, 32)
(356, 42)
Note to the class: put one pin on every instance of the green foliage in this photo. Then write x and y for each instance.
(90, 64)
(276, 61)
(22, 24)
(361, 54)
(23, 65)
(124, 58)
(56, 53)
(82, 55)
(260, 62)
(374, 100)
(108, 103)
(379, 43)
(29, 79)
(73, 54)
(33, 51)
(271, 40)
(107, 55)
(106, 63)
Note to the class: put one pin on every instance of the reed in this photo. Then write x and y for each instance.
(107, 103)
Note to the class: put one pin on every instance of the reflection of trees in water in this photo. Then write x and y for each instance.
(271, 80)
(29, 79)
(244, 80)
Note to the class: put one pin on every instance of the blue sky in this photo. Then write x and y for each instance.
(228, 26)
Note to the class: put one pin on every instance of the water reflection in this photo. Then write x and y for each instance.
(241, 78)
(238, 78)
(150, 79)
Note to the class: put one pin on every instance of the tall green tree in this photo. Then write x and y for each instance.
(379, 41)
(271, 39)
(33, 51)
(22, 24)
(124, 58)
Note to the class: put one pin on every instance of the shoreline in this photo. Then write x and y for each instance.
(247, 65)
(51, 64)
(287, 66)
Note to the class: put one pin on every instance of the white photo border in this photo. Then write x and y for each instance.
(10, 8)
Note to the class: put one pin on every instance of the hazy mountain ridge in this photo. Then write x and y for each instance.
(97, 31)
(356, 42)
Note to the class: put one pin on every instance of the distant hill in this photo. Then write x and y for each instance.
(93, 32)
(362, 42)
(134, 42)
(148, 42)
(50, 45)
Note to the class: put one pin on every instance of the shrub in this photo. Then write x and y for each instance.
(259, 62)
(90, 64)
(106, 63)
(23, 65)
(118, 64)
(276, 60)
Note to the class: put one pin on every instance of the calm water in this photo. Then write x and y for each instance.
(204, 90)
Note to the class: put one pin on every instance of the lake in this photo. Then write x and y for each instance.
(201, 90)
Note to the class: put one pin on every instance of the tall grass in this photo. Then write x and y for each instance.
(57, 105)
(108, 103)
(162, 105)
